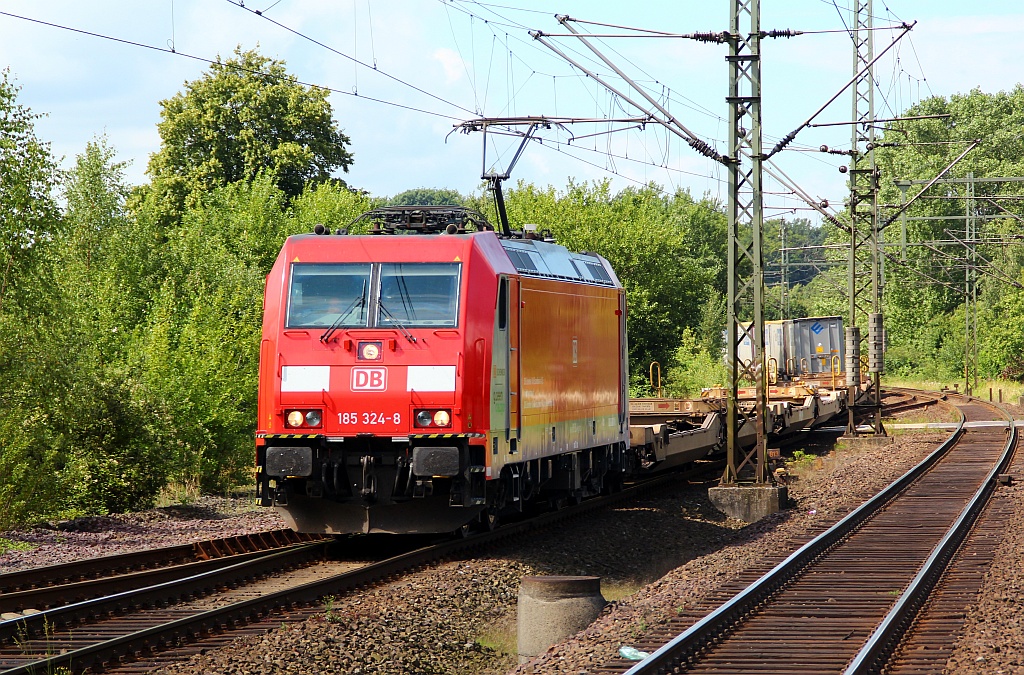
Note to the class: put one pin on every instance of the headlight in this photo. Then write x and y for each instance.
(433, 418)
(303, 418)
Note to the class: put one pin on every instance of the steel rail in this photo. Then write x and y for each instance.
(187, 628)
(65, 594)
(885, 640)
(719, 621)
(912, 401)
(168, 591)
(36, 577)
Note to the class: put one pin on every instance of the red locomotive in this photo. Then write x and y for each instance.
(434, 374)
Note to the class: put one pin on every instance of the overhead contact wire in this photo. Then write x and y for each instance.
(237, 3)
(202, 59)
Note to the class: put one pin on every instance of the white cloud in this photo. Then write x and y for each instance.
(451, 63)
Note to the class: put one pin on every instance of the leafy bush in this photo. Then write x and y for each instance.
(694, 369)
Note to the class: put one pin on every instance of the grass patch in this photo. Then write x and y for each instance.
(935, 418)
(800, 460)
(1012, 391)
(801, 463)
(500, 636)
(7, 545)
(178, 494)
(618, 590)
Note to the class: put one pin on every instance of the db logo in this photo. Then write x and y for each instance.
(369, 379)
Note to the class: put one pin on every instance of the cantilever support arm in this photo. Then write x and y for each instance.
(904, 207)
(788, 138)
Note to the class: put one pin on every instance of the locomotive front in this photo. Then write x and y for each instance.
(372, 381)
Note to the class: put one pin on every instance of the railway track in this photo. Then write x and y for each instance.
(895, 401)
(42, 588)
(240, 595)
(859, 598)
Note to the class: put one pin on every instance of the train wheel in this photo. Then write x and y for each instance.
(464, 531)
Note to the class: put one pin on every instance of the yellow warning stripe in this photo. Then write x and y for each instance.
(287, 435)
(446, 435)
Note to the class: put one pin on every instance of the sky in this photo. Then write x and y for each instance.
(404, 73)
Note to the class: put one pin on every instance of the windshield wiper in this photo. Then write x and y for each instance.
(396, 323)
(333, 328)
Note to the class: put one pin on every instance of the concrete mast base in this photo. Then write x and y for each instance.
(749, 503)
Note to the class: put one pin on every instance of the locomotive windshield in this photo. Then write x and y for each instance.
(419, 294)
(323, 295)
(403, 295)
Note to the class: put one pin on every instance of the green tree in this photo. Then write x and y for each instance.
(30, 367)
(196, 352)
(925, 285)
(108, 449)
(245, 116)
(427, 197)
(695, 368)
(328, 204)
(28, 177)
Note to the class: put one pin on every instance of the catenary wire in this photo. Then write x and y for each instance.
(203, 59)
(240, 5)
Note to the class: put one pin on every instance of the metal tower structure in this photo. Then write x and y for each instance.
(974, 265)
(864, 273)
(784, 269)
(746, 260)
(970, 291)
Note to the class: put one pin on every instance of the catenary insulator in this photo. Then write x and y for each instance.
(705, 149)
(710, 37)
(785, 32)
(786, 140)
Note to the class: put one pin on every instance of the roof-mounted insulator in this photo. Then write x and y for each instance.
(320, 228)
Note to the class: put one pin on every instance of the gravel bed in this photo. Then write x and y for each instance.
(655, 558)
(94, 536)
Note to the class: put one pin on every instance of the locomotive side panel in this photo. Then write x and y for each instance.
(570, 380)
